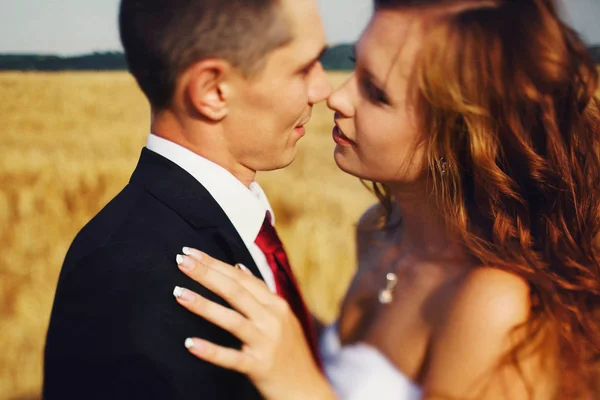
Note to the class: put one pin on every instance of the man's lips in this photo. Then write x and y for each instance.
(300, 128)
(301, 125)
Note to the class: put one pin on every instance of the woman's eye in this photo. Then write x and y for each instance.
(352, 59)
(375, 94)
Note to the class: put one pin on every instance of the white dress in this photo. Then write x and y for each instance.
(361, 372)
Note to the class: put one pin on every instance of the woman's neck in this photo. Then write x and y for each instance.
(423, 228)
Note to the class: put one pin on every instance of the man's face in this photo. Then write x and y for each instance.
(267, 114)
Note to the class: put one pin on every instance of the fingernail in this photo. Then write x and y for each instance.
(187, 251)
(186, 263)
(243, 268)
(197, 345)
(183, 295)
(177, 292)
(179, 259)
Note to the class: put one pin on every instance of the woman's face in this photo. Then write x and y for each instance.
(377, 129)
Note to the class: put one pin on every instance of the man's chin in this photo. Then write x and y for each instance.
(286, 161)
(281, 162)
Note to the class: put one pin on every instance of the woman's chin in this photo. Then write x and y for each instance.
(350, 167)
(342, 162)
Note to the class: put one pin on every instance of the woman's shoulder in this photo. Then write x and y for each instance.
(501, 296)
(487, 298)
(476, 331)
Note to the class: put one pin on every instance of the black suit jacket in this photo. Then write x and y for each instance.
(116, 331)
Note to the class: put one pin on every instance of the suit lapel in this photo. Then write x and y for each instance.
(234, 244)
(181, 192)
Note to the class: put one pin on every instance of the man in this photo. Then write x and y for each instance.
(231, 84)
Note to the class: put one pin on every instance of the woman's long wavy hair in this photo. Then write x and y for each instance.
(507, 95)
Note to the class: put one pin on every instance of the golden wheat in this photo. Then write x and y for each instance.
(70, 142)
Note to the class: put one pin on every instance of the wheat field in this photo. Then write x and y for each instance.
(69, 144)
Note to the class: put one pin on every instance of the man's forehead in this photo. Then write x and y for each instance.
(306, 30)
(303, 17)
(307, 44)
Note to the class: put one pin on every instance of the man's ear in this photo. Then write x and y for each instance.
(206, 88)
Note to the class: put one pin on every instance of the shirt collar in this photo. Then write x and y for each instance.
(244, 206)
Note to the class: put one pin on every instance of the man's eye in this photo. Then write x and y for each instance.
(308, 68)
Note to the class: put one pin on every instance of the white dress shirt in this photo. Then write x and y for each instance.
(245, 207)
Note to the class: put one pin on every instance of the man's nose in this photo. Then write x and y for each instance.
(320, 86)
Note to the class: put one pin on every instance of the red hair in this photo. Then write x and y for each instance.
(507, 92)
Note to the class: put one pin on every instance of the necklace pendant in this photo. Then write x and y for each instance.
(385, 296)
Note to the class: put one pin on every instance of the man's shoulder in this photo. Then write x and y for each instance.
(98, 230)
(133, 219)
(133, 232)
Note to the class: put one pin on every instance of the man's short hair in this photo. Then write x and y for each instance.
(162, 38)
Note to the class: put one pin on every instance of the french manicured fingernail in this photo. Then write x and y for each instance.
(243, 268)
(191, 252)
(189, 343)
(196, 345)
(185, 296)
(186, 263)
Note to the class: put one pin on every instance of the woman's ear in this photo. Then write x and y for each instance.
(205, 88)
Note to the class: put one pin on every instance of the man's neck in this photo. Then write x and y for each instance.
(200, 142)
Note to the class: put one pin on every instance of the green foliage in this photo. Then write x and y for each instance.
(595, 53)
(96, 61)
(337, 58)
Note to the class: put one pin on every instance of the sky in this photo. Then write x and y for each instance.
(67, 27)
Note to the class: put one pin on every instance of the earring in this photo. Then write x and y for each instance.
(443, 165)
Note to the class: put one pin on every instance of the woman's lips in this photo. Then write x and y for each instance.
(340, 139)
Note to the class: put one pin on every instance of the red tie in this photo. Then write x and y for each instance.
(285, 283)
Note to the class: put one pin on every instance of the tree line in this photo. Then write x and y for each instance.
(336, 58)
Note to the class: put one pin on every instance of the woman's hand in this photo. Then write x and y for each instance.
(275, 354)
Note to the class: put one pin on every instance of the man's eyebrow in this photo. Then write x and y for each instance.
(321, 54)
(316, 59)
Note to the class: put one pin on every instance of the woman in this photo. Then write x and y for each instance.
(478, 276)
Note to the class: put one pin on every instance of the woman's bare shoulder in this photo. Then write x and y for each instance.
(475, 334)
